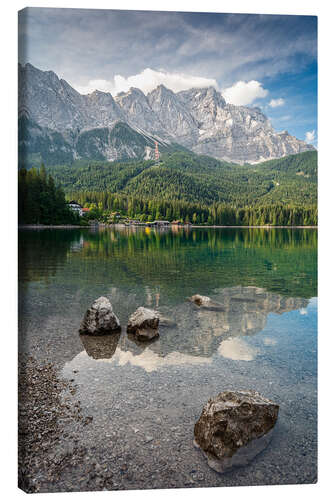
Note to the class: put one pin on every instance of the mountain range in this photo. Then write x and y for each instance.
(58, 125)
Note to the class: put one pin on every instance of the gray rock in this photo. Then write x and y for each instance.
(100, 318)
(138, 112)
(235, 133)
(176, 119)
(53, 103)
(199, 119)
(143, 323)
(206, 302)
(234, 427)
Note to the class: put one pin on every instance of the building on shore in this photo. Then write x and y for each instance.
(75, 207)
(160, 223)
(134, 222)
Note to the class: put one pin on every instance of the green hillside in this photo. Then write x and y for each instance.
(192, 178)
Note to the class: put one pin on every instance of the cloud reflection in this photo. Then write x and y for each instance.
(237, 349)
(148, 360)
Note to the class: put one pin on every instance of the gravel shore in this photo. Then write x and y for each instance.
(45, 462)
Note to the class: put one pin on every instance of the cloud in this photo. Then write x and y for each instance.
(97, 44)
(103, 85)
(147, 80)
(275, 103)
(244, 93)
(310, 136)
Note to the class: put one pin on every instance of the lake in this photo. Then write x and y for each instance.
(144, 399)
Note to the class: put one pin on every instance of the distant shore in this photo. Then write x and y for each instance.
(259, 227)
(60, 226)
(71, 226)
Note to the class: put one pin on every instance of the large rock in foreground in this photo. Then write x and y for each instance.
(234, 427)
(143, 323)
(100, 318)
(206, 302)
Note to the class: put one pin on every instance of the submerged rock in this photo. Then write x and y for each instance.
(143, 323)
(206, 302)
(234, 427)
(100, 318)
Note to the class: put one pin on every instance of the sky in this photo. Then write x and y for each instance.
(253, 60)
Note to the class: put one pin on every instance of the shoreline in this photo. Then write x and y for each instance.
(52, 226)
(71, 226)
(257, 227)
(47, 410)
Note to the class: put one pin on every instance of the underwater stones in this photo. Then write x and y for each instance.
(206, 302)
(164, 321)
(143, 323)
(100, 319)
(234, 427)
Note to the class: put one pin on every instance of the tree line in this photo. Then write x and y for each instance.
(106, 206)
(40, 201)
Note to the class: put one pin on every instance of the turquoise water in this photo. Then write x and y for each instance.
(145, 398)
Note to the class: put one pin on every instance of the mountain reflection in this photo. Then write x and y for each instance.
(280, 260)
(199, 334)
(252, 272)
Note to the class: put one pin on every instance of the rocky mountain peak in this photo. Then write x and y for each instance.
(99, 97)
(161, 94)
(132, 94)
(175, 117)
(138, 112)
(97, 92)
(162, 88)
(135, 91)
(201, 94)
(198, 118)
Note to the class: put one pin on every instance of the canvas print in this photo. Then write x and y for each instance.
(167, 188)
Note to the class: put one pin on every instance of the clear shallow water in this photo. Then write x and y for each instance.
(145, 398)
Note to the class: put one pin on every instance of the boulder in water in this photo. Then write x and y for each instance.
(143, 323)
(100, 318)
(206, 302)
(234, 427)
